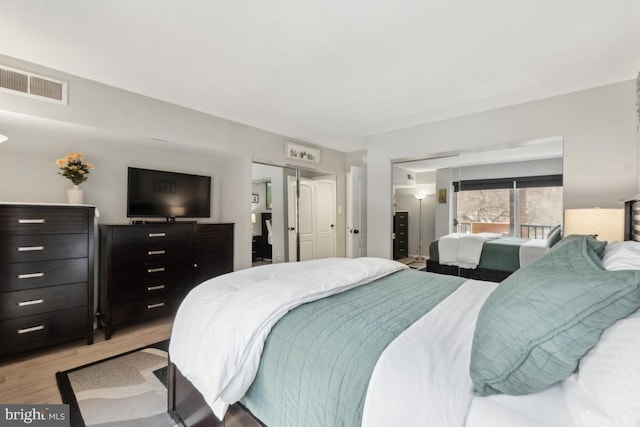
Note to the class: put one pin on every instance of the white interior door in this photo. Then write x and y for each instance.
(292, 224)
(357, 212)
(306, 219)
(312, 218)
(325, 204)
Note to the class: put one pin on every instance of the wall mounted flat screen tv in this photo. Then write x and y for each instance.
(163, 194)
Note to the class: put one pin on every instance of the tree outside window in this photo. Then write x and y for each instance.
(524, 212)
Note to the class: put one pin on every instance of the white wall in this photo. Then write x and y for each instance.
(194, 142)
(512, 169)
(29, 174)
(598, 127)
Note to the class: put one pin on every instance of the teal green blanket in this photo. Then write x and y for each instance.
(318, 359)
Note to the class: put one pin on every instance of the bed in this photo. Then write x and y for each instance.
(487, 256)
(414, 347)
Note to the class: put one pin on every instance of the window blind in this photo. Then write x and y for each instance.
(513, 182)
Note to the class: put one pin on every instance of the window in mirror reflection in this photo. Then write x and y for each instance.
(513, 207)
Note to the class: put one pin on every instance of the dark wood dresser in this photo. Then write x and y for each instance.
(46, 275)
(213, 251)
(146, 270)
(401, 235)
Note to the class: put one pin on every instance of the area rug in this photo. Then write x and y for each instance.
(126, 390)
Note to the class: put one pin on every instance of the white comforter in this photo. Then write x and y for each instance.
(222, 324)
(461, 249)
(531, 250)
(422, 377)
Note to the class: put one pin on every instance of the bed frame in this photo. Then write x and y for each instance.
(187, 406)
(468, 273)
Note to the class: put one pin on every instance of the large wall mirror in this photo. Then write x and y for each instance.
(512, 191)
(293, 214)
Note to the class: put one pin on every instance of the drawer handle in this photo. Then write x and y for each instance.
(31, 221)
(158, 305)
(155, 270)
(32, 329)
(156, 253)
(30, 275)
(155, 288)
(30, 248)
(157, 234)
(32, 302)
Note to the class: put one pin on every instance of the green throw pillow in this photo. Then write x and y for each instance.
(554, 236)
(535, 327)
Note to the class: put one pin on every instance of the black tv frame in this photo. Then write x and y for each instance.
(168, 177)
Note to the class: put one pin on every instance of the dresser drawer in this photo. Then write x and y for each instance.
(144, 281)
(42, 329)
(28, 275)
(25, 248)
(152, 236)
(147, 308)
(154, 253)
(42, 300)
(43, 220)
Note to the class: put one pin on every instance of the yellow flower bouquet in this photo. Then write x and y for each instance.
(74, 168)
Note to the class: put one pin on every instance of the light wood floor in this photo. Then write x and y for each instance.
(30, 379)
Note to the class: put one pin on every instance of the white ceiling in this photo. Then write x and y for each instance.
(332, 72)
(539, 149)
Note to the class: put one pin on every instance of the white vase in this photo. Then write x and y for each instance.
(75, 195)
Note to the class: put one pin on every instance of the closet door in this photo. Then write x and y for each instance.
(307, 219)
(325, 191)
(292, 217)
(356, 212)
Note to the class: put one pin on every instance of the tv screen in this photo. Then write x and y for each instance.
(162, 194)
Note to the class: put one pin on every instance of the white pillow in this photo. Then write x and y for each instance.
(606, 389)
(622, 256)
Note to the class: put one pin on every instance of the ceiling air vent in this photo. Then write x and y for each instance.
(32, 85)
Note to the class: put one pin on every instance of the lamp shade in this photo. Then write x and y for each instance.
(606, 224)
(423, 190)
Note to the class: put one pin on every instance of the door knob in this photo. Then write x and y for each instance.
(356, 231)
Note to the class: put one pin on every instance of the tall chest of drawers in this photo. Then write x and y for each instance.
(401, 235)
(146, 270)
(46, 275)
